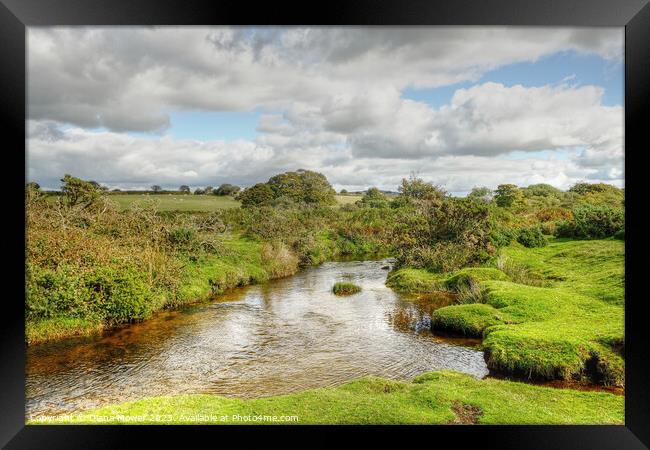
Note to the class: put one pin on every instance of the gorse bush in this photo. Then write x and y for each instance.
(531, 237)
(554, 214)
(181, 237)
(597, 221)
(592, 222)
(447, 236)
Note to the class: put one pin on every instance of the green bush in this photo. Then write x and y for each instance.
(596, 222)
(501, 236)
(181, 237)
(531, 237)
(592, 222)
(620, 234)
(122, 294)
(53, 292)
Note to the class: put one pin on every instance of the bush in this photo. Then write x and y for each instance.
(592, 222)
(374, 198)
(181, 237)
(596, 222)
(531, 237)
(122, 295)
(620, 234)
(554, 214)
(501, 236)
(548, 228)
(446, 236)
(565, 229)
(345, 288)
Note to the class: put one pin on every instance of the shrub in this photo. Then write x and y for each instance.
(565, 229)
(501, 236)
(620, 234)
(345, 288)
(374, 198)
(554, 214)
(257, 195)
(181, 237)
(445, 236)
(548, 228)
(122, 294)
(531, 237)
(596, 222)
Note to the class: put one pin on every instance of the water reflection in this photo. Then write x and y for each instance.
(280, 337)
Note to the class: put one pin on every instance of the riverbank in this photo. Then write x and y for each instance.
(442, 397)
(555, 312)
(240, 261)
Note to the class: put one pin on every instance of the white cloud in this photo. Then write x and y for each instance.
(332, 101)
(127, 78)
(127, 162)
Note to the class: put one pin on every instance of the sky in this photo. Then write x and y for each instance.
(130, 107)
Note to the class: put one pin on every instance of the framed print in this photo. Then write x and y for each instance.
(364, 214)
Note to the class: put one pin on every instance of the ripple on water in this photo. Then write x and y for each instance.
(280, 337)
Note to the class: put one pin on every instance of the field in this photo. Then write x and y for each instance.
(206, 203)
(433, 398)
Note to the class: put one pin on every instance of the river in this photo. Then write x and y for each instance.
(274, 338)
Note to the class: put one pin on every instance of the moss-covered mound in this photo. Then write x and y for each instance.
(571, 328)
(557, 331)
(345, 288)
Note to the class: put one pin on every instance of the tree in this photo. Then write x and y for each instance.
(156, 188)
(542, 190)
(227, 189)
(185, 189)
(303, 186)
(417, 189)
(374, 198)
(257, 195)
(32, 185)
(343, 191)
(482, 194)
(208, 190)
(508, 195)
(199, 191)
(77, 191)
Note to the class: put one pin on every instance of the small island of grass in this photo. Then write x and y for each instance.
(345, 288)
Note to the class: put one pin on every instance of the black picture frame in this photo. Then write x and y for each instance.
(634, 15)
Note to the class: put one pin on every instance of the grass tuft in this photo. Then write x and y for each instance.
(345, 288)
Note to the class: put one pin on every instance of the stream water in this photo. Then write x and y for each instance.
(274, 338)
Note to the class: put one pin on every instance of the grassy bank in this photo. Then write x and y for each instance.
(434, 398)
(569, 324)
(95, 260)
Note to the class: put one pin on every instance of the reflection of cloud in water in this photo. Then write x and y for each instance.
(278, 337)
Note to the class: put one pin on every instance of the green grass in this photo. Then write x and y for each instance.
(418, 281)
(180, 202)
(241, 263)
(58, 328)
(345, 288)
(570, 328)
(415, 281)
(594, 268)
(171, 202)
(347, 199)
(432, 398)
